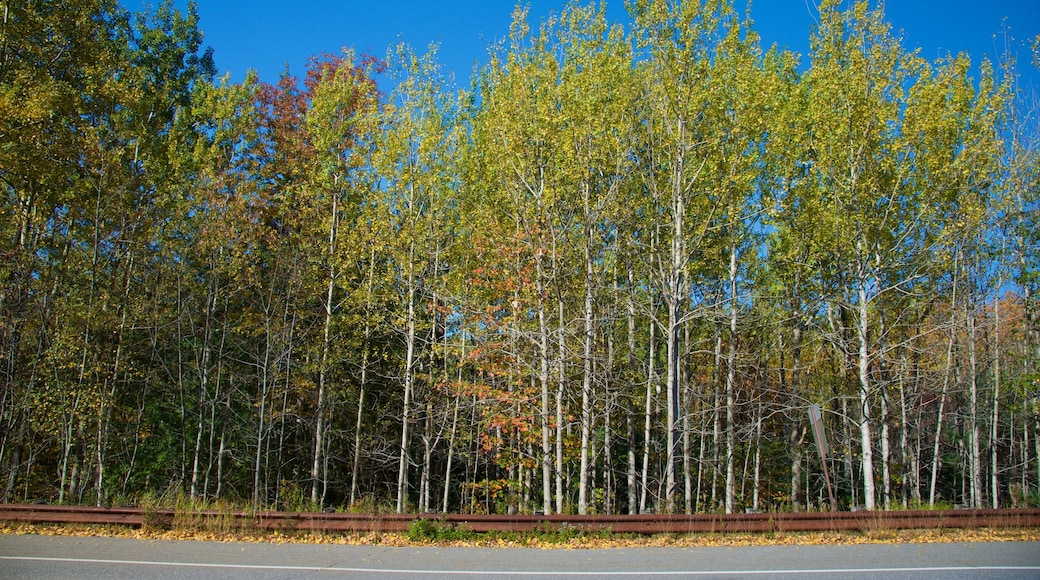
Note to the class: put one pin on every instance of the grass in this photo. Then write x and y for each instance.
(437, 533)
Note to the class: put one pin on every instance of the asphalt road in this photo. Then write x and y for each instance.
(84, 558)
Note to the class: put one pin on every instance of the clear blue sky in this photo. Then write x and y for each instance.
(268, 34)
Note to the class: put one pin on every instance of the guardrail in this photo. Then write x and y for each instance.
(628, 524)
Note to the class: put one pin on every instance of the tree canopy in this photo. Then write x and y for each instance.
(608, 277)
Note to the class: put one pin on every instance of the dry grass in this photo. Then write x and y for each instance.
(213, 533)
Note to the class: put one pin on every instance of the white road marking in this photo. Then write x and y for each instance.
(533, 572)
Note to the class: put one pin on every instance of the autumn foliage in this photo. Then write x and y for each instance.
(608, 277)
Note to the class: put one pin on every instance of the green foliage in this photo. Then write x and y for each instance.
(563, 533)
(425, 530)
(621, 244)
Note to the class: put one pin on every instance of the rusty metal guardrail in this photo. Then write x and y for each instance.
(628, 524)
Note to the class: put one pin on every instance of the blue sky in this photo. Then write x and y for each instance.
(266, 35)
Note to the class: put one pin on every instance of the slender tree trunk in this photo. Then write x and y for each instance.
(685, 406)
(262, 424)
(561, 377)
(87, 342)
(702, 429)
(648, 414)
(402, 469)
(105, 422)
(451, 439)
(686, 467)
(586, 385)
(1036, 445)
(731, 360)
(1023, 453)
(221, 450)
(543, 381)
(974, 449)
(866, 447)
(886, 452)
(429, 442)
(909, 465)
(608, 425)
(796, 425)
(424, 480)
(916, 450)
(289, 317)
(674, 299)
(758, 454)
(940, 416)
(317, 478)
(67, 443)
(203, 371)
(366, 346)
(672, 397)
(716, 432)
(630, 432)
(210, 455)
(995, 417)
(633, 497)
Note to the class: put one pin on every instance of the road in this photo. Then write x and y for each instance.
(86, 558)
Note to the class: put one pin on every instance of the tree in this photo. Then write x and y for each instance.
(414, 150)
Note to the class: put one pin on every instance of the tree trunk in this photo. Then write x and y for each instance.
(796, 425)
(675, 296)
(319, 413)
(586, 385)
(648, 414)
(451, 440)
(995, 417)
(702, 429)
(886, 473)
(910, 476)
(866, 447)
(221, 450)
(672, 393)
(974, 447)
(402, 468)
(731, 360)
(261, 425)
(424, 480)
(561, 377)
(1036, 445)
(105, 422)
(365, 348)
(758, 454)
(716, 423)
(685, 406)
(936, 457)
(633, 497)
(543, 382)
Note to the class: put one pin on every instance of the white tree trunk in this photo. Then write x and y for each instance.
(402, 468)
(561, 378)
(995, 417)
(945, 391)
(648, 413)
(974, 447)
(317, 478)
(586, 385)
(543, 381)
(864, 381)
(633, 497)
(365, 346)
(731, 359)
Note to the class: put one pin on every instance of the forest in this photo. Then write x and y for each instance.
(610, 275)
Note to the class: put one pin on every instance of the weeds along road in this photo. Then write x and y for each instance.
(31, 556)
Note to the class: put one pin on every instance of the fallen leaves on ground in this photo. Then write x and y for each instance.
(533, 541)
